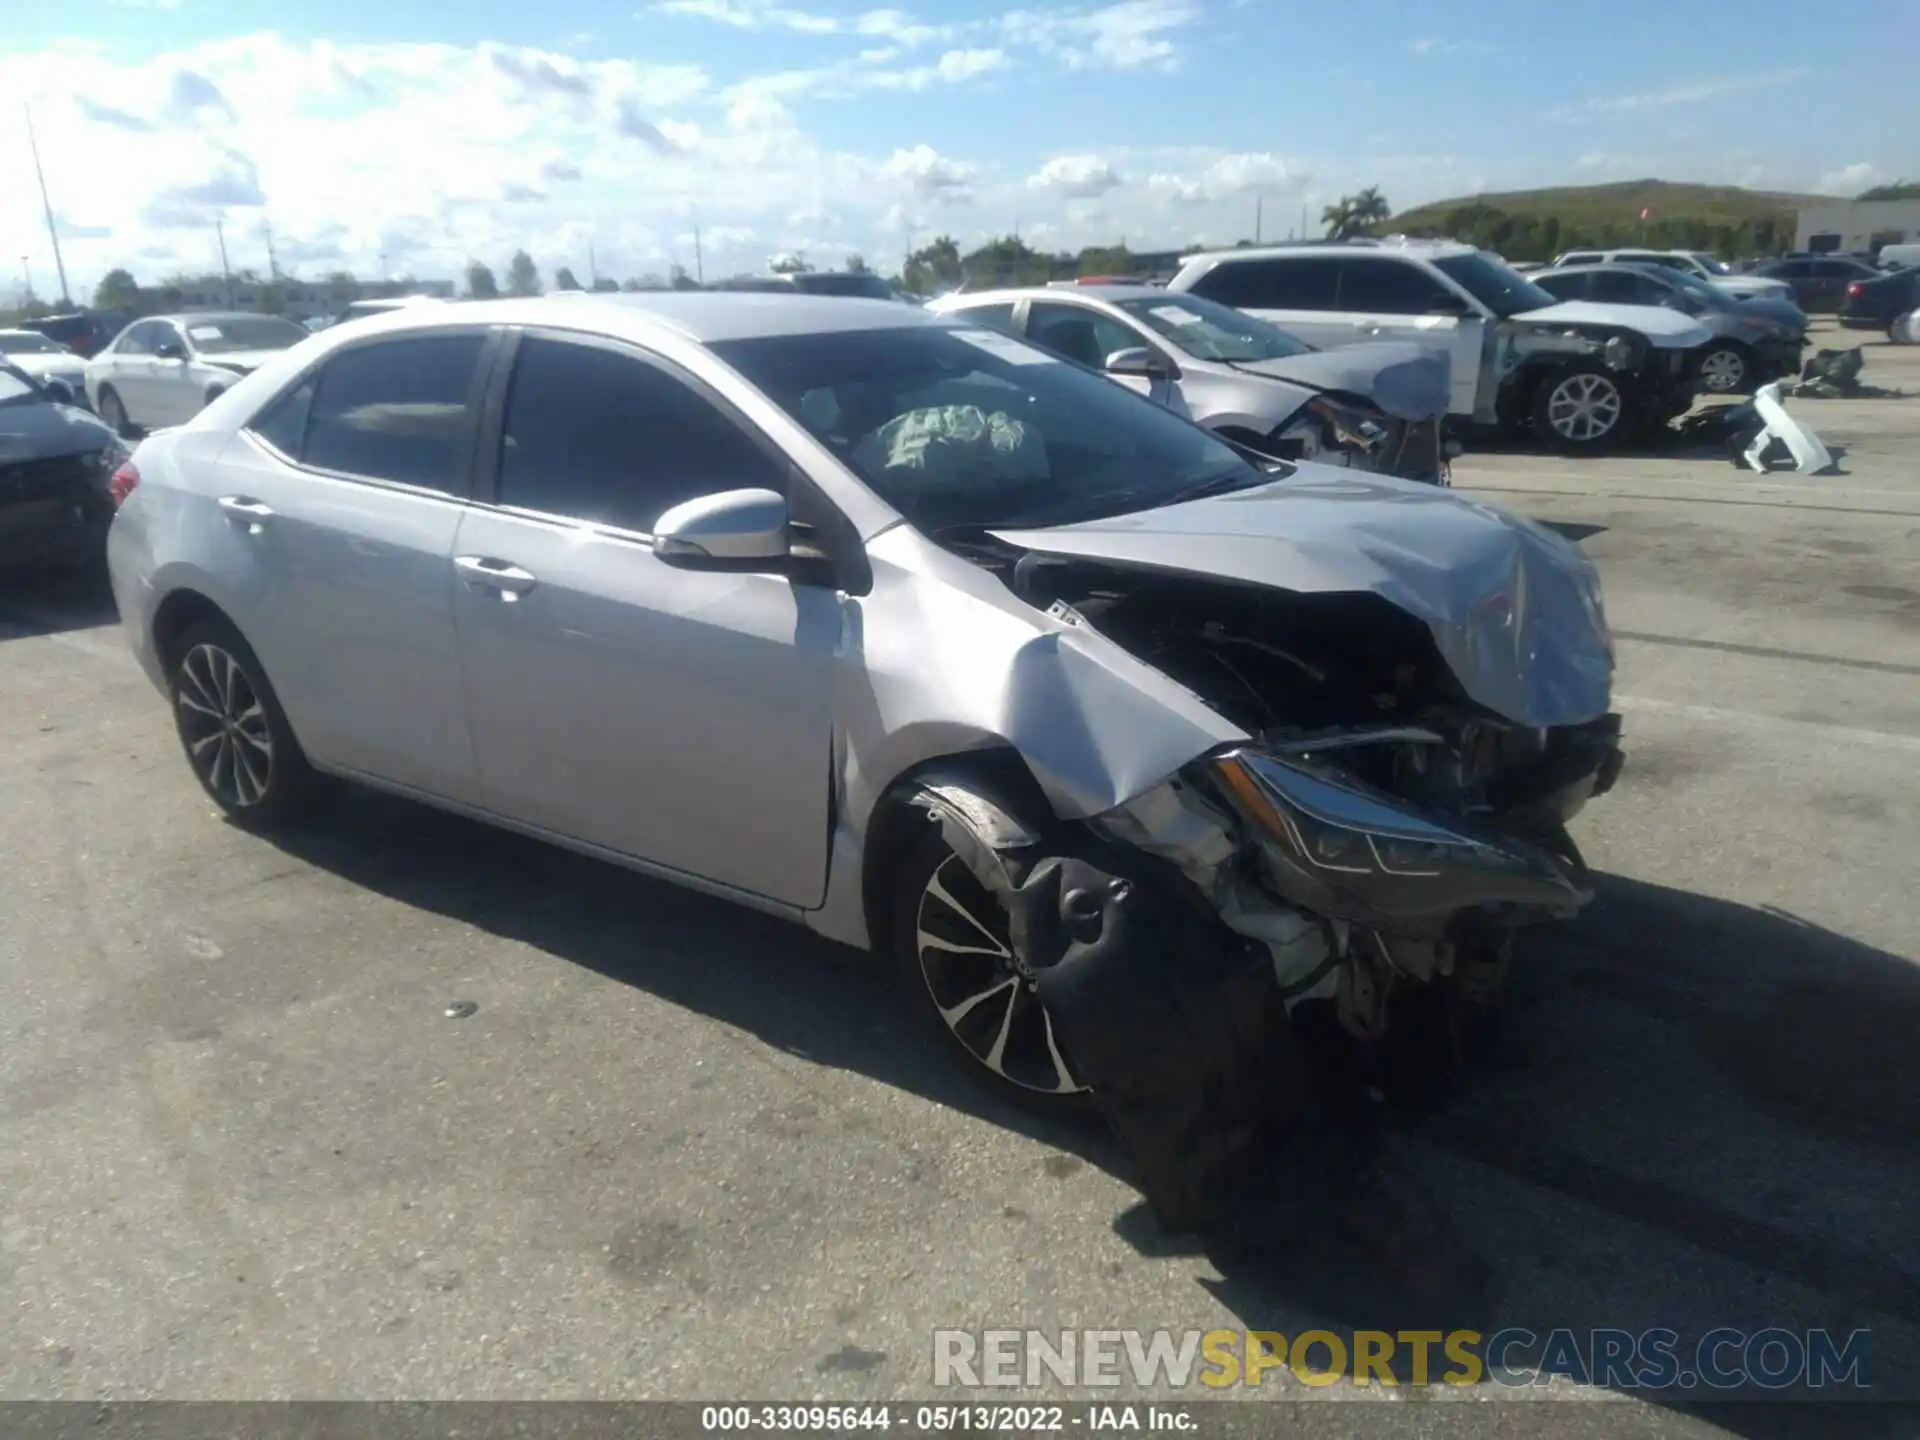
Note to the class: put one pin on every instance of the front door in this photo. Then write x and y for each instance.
(680, 717)
(1389, 299)
(131, 368)
(338, 510)
(1082, 333)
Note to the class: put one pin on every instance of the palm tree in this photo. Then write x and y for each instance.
(1355, 214)
(1338, 218)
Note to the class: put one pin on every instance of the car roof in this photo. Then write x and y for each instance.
(1632, 267)
(1092, 294)
(1423, 249)
(702, 316)
(212, 317)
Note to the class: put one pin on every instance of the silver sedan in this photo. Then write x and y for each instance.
(904, 630)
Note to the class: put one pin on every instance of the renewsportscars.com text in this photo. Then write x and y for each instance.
(1774, 1358)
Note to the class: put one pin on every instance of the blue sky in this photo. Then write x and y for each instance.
(436, 133)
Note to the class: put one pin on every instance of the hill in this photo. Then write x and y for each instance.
(1536, 224)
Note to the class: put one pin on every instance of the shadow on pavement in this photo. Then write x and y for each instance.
(1696, 1113)
(50, 601)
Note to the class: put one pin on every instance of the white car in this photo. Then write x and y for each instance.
(1583, 376)
(1696, 263)
(47, 361)
(165, 370)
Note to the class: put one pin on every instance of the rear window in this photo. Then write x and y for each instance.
(859, 287)
(1306, 282)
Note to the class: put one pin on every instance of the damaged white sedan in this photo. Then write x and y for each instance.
(1134, 756)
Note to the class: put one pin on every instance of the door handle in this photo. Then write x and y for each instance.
(248, 511)
(510, 581)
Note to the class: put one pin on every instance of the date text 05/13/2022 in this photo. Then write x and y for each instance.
(1102, 1419)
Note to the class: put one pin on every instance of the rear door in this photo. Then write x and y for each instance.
(1300, 293)
(1387, 298)
(338, 508)
(129, 369)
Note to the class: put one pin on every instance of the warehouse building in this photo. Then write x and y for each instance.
(1857, 225)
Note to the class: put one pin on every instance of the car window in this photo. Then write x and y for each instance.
(1790, 269)
(233, 334)
(1208, 330)
(283, 424)
(999, 315)
(1638, 257)
(1580, 257)
(1305, 282)
(1078, 333)
(1565, 287)
(1387, 287)
(396, 410)
(599, 436)
(1623, 287)
(138, 339)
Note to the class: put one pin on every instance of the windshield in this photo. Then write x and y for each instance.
(231, 334)
(1494, 283)
(1694, 287)
(17, 389)
(863, 287)
(958, 427)
(1208, 330)
(25, 342)
(1707, 263)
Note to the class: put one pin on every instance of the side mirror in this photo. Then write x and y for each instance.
(731, 530)
(1136, 360)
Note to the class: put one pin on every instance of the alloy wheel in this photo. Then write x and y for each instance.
(983, 992)
(1584, 407)
(1723, 371)
(224, 725)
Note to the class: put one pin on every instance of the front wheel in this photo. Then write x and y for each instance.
(114, 411)
(1581, 410)
(1725, 369)
(236, 736)
(951, 946)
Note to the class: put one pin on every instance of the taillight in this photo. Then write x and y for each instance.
(1853, 289)
(122, 484)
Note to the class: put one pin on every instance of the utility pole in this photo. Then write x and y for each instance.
(699, 259)
(1303, 217)
(273, 265)
(593, 269)
(220, 231)
(384, 274)
(1259, 218)
(60, 265)
(26, 282)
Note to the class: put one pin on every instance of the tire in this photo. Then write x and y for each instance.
(235, 735)
(1726, 369)
(1905, 330)
(114, 412)
(936, 897)
(1581, 410)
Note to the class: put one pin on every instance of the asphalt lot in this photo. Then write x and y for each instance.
(683, 1151)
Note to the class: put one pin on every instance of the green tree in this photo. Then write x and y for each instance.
(522, 277)
(1007, 260)
(1104, 260)
(1899, 190)
(606, 285)
(857, 265)
(933, 267)
(117, 290)
(1352, 215)
(480, 282)
(679, 279)
(793, 264)
(563, 279)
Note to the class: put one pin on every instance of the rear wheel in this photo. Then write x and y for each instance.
(952, 949)
(1581, 410)
(236, 736)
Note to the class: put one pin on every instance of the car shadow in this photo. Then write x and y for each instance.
(1684, 1098)
(50, 600)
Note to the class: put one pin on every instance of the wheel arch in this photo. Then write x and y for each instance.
(177, 614)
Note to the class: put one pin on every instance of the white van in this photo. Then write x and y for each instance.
(1898, 257)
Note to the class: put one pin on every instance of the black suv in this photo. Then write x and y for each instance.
(1818, 284)
(85, 332)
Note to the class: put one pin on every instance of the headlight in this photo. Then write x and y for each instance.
(1340, 849)
(1618, 353)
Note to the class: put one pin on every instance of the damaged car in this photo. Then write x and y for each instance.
(1581, 377)
(1160, 773)
(1376, 407)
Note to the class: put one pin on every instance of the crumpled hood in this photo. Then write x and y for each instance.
(1782, 312)
(1404, 379)
(1668, 329)
(1514, 609)
(48, 431)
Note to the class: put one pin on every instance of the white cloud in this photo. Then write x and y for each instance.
(1232, 177)
(930, 173)
(1693, 92)
(1851, 179)
(1436, 45)
(1129, 35)
(752, 15)
(1080, 177)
